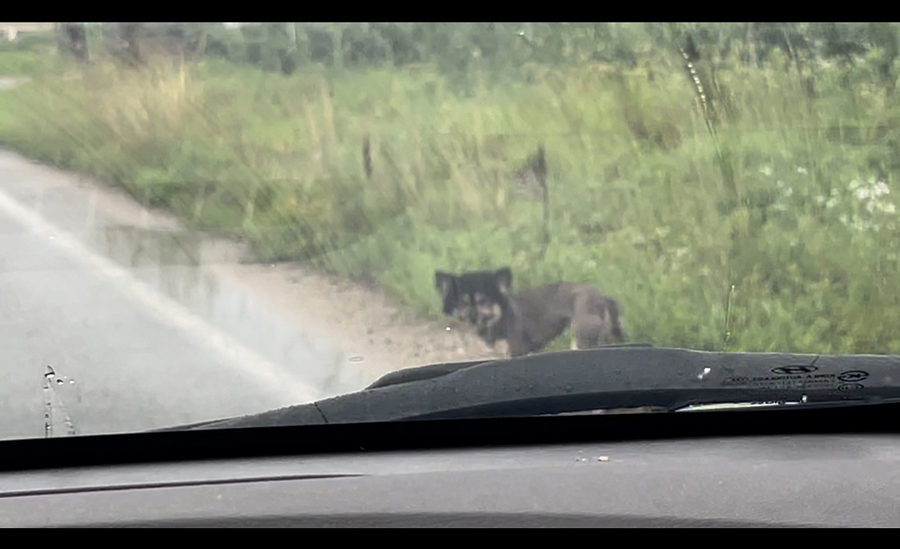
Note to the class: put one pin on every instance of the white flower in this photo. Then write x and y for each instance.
(885, 207)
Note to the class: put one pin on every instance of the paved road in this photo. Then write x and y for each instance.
(136, 314)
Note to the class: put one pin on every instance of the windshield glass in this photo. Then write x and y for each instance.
(200, 221)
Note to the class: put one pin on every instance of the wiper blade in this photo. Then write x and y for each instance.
(626, 376)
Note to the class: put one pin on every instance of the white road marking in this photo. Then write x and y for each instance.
(268, 375)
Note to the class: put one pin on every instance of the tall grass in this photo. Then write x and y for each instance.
(791, 245)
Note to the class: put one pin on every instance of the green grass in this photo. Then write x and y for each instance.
(30, 54)
(777, 251)
(24, 63)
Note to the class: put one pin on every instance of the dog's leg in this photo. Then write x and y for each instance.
(615, 332)
(516, 343)
(586, 330)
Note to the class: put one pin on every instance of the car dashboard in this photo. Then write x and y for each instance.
(754, 481)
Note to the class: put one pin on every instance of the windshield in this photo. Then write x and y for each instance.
(200, 221)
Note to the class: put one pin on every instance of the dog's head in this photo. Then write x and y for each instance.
(475, 297)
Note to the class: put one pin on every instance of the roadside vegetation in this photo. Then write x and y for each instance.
(733, 186)
(28, 54)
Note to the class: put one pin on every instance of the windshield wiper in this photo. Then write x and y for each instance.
(621, 376)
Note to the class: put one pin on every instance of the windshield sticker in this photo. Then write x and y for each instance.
(853, 375)
(791, 381)
(801, 377)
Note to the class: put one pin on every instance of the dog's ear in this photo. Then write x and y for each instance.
(504, 278)
(445, 283)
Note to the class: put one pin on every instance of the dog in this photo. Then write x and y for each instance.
(529, 320)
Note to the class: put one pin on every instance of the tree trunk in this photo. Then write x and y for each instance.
(292, 34)
(130, 33)
(72, 41)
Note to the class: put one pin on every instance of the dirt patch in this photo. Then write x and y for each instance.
(373, 328)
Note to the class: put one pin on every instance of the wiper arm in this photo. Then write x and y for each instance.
(612, 377)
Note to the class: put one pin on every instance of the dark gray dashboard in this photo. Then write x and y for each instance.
(825, 481)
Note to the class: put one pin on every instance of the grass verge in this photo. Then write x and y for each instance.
(779, 234)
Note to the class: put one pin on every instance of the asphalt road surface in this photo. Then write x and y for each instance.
(135, 318)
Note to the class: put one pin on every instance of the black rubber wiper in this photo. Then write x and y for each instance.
(625, 376)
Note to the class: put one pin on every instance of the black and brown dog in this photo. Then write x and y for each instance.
(530, 319)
